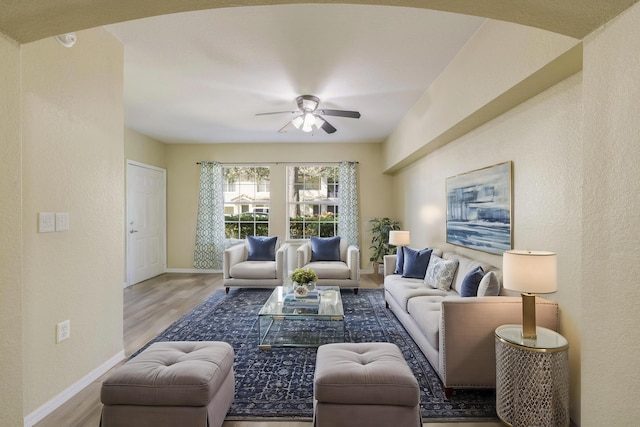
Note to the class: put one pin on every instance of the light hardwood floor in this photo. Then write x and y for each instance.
(149, 308)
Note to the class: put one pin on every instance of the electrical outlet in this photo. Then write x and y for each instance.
(46, 222)
(62, 221)
(63, 331)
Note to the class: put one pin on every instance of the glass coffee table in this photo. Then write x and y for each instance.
(289, 321)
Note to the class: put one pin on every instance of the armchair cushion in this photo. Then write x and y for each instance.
(262, 248)
(325, 248)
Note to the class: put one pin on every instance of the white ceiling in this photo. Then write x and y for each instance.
(200, 77)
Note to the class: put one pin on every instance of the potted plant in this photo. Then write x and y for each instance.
(380, 228)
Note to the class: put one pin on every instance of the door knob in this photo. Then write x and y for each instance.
(133, 231)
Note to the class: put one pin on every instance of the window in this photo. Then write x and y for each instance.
(246, 201)
(312, 201)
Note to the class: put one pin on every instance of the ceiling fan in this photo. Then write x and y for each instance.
(309, 116)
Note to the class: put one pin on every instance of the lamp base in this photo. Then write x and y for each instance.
(529, 316)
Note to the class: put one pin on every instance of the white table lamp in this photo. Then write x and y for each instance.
(530, 272)
(399, 238)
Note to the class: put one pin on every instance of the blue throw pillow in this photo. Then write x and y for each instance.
(471, 282)
(262, 248)
(415, 263)
(325, 248)
(399, 261)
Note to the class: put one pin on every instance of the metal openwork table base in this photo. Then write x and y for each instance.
(532, 378)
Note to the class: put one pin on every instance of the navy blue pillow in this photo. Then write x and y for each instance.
(399, 261)
(262, 248)
(415, 263)
(325, 248)
(471, 282)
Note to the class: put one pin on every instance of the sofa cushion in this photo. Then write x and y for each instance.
(253, 270)
(262, 248)
(330, 269)
(415, 263)
(471, 282)
(402, 289)
(426, 313)
(440, 273)
(325, 248)
(489, 285)
(399, 261)
(465, 265)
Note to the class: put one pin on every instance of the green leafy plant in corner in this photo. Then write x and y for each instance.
(380, 228)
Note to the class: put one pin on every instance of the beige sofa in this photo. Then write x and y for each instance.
(456, 334)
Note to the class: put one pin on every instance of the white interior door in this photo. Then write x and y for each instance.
(146, 222)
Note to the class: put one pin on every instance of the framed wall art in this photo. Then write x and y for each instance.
(479, 205)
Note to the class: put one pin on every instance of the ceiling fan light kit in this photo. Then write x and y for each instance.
(309, 117)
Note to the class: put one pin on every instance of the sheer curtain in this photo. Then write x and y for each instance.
(348, 202)
(209, 248)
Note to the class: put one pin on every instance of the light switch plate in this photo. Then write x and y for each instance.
(62, 221)
(46, 222)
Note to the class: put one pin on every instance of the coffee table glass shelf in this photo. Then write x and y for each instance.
(287, 320)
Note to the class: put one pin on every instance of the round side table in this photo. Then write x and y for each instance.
(532, 377)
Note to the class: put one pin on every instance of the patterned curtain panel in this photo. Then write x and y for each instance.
(348, 202)
(210, 228)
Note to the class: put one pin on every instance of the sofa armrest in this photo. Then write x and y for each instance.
(281, 261)
(389, 264)
(232, 256)
(303, 255)
(353, 262)
(467, 344)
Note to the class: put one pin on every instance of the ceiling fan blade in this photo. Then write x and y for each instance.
(327, 127)
(276, 112)
(286, 127)
(340, 113)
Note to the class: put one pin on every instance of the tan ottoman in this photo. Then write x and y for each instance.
(180, 383)
(364, 385)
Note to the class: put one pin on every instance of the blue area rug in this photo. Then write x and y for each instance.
(278, 383)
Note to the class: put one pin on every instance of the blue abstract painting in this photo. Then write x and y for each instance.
(479, 209)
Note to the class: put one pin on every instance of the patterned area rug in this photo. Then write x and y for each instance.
(278, 383)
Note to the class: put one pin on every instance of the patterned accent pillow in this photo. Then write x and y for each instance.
(440, 273)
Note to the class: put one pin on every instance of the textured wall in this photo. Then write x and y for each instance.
(183, 178)
(611, 207)
(73, 161)
(11, 235)
(543, 139)
(144, 149)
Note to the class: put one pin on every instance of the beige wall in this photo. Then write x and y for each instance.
(610, 324)
(183, 178)
(11, 231)
(73, 161)
(542, 145)
(144, 149)
(499, 67)
(575, 154)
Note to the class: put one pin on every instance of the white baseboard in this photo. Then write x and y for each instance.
(53, 404)
(190, 270)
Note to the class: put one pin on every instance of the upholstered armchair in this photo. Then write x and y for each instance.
(335, 262)
(259, 262)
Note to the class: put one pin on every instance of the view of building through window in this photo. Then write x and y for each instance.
(312, 201)
(246, 201)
